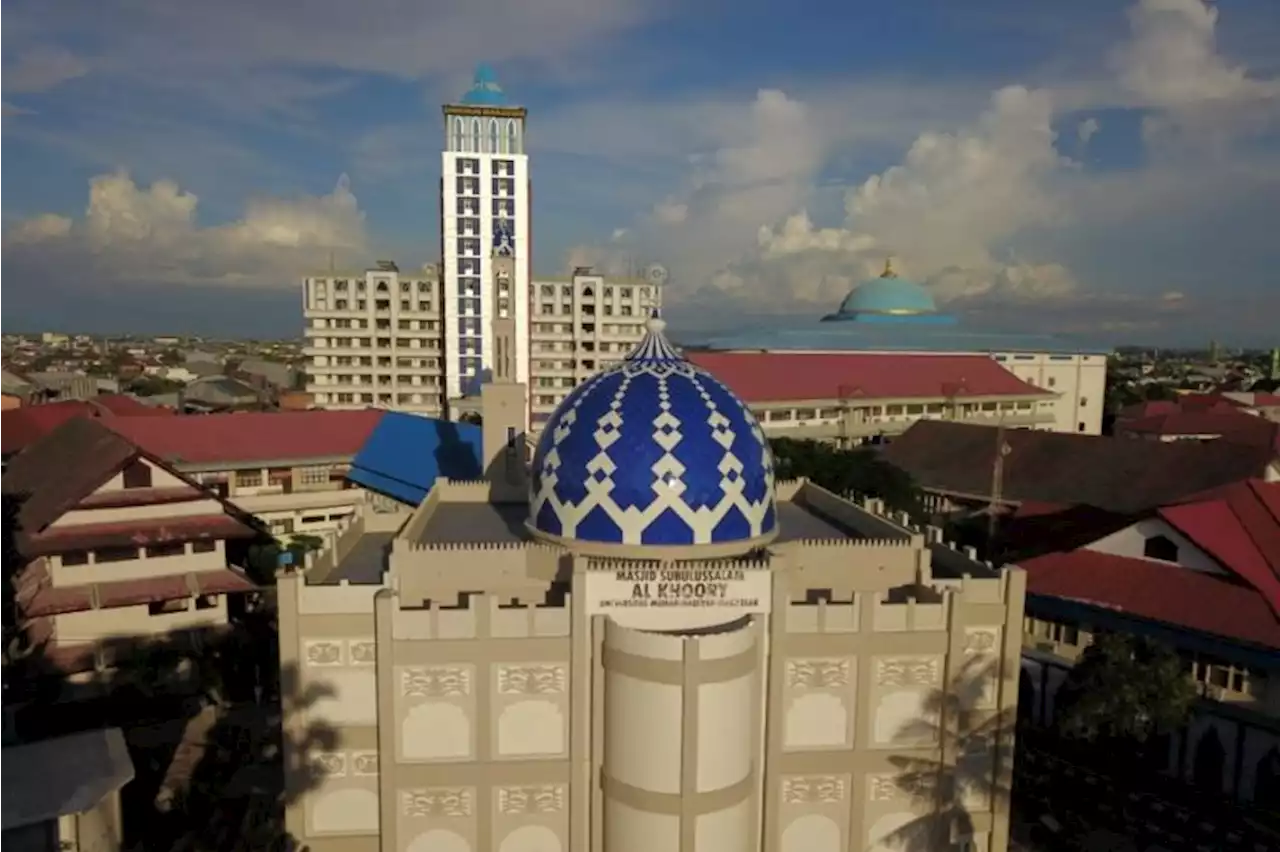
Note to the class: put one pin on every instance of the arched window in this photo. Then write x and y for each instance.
(459, 135)
(475, 134)
(1209, 761)
(513, 140)
(493, 136)
(1160, 547)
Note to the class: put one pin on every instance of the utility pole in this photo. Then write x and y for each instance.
(997, 488)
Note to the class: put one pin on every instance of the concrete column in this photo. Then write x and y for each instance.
(681, 736)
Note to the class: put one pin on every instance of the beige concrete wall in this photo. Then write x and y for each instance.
(144, 567)
(472, 715)
(76, 628)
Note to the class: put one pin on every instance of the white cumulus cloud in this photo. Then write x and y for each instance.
(151, 234)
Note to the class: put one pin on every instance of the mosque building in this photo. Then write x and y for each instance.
(888, 357)
(642, 642)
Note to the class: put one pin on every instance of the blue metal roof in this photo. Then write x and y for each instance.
(485, 90)
(893, 337)
(406, 454)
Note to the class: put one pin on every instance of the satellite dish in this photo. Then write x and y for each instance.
(656, 274)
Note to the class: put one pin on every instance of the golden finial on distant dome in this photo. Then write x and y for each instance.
(888, 269)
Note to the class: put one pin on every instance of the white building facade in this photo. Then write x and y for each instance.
(484, 212)
(583, 324)
(375, 340)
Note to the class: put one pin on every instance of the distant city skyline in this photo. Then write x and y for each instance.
(1110, 169)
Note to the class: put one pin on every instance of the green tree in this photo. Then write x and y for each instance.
(846, 472)
(1123, 693)
(13, 564)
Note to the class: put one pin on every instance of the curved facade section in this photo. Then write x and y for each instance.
(681, 732)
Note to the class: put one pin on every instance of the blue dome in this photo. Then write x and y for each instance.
(485, 90)
(888, 295)
(653, 451)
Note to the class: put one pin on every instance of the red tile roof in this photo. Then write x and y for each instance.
(141, 533)
(1186, 402)
(22, 426)
(260, 437)
(57, 601)
(786, 376)
(1230, 424)
(1158, 591)
(1239, 526)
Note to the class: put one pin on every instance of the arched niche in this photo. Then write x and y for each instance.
(435, 731)
(816, 720)
(345, 811)
(898, 714)
(531, 727)
(889, 833)
(812, 833)
(531, 838)
(439, 840)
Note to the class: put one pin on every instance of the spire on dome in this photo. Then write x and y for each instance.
(888, 268)
(655, 346)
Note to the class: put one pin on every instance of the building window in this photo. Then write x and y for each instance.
(173, 548)
(137, 475)
(248, 478)
(318, 475)
(75, 557)
(204, 546)
(1160, 547)
(115, 554)
(166, 607)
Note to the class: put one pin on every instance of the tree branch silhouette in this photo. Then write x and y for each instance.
(973, 744)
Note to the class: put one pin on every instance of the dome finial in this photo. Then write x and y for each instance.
(654, 346)
(888, 268)
(656, 324)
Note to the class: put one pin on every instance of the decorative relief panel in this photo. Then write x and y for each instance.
(362, 652)
(330, 763)
(981, 640)
(437, 802)
(435, 682)
(364, 763)
(908, 671)
(542, 799)
(532, 679)
(817, 674)
(883, 788)
(813, 789)
(324, 652)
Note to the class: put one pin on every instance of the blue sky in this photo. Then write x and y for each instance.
(1092, 166)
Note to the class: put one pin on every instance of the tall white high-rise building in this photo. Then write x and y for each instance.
(484, 215)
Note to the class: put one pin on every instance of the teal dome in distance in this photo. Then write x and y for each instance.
(889, 299)
(485, 90)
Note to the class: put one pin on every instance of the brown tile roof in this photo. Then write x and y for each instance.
(62, 468)
(1119, 475)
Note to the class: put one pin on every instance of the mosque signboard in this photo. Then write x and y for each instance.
(703, 593)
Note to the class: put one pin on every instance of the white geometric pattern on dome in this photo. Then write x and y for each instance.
(653, 451)
(655, 346)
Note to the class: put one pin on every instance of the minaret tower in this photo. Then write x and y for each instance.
(484, 190)
(504, 399)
